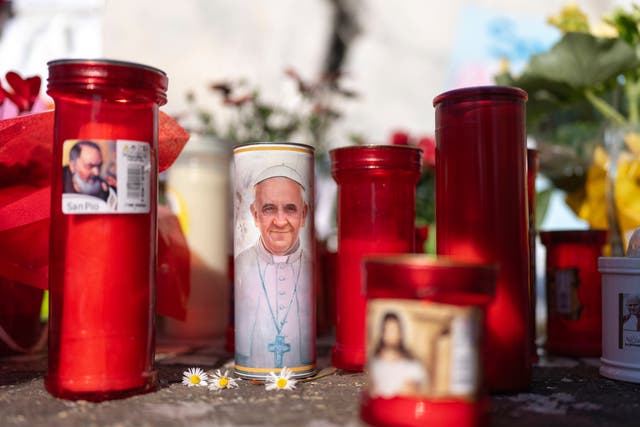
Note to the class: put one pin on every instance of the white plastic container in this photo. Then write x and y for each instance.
(620, 318)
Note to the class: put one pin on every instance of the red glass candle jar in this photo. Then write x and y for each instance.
(532, 172)
(574, 301)
(481, 213)
(376, 214)
(103, 228)
(425, 326)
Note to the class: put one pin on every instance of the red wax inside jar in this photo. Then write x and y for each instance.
(481, 213)
(349, 352)
(376, 213)
(102, 265)
(574, 301)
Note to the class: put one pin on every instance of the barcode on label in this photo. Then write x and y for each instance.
(134, 162)
(135, 181)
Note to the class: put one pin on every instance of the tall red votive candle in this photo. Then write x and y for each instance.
(103, 228)
(574, 298)
(481, 213)
(376, 214)
(425, 335)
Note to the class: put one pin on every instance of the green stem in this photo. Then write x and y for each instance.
(632, 90)
(604, 107)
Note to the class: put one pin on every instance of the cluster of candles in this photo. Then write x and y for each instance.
(447, 329)
(434, 334)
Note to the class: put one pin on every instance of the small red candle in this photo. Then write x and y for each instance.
(376, 214)
(425, 327)
(103, 228)
(481, 213)
(574, 301)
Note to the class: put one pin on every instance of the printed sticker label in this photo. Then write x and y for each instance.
(563, 298)
(423, 350)
(629, 321)
(106, 176)
(273, 260)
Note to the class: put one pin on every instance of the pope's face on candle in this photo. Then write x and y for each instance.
(279, 212)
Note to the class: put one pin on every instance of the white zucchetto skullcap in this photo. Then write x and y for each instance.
(280, 170)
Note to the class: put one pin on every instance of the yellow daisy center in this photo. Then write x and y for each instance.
(223, 382)
(281, 383)
(195, 379)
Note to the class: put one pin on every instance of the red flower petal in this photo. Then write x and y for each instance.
(428, 146)
(34, 84)
(400, 138)
(25, 92)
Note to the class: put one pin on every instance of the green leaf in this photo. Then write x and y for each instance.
(425, 199)
(430, 244)
(545, 95)
(581, 60)
(542, 205)
(626, 23)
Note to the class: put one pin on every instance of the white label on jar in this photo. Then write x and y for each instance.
(629, 321)
(423, 349)
(106, 176)
(563, 286)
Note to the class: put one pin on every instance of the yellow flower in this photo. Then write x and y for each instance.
(570, 19)
(590, 203)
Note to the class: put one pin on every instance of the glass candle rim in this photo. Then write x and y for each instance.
(592, 235)
(104, 61)
(372, 156)
(82, 75)
(425, 275)
(374, 147)
(480, 93)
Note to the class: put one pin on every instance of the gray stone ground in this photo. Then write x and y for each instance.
(564, 392)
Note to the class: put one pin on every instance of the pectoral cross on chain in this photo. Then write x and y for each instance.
(279, 348)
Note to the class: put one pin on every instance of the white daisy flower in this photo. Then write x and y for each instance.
(283, 381)
(195, 377)
(221, 380)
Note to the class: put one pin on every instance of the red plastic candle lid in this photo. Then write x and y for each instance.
(479, 93)
(425, 277)
(135, 80)
(401, 157)
(573, 236)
